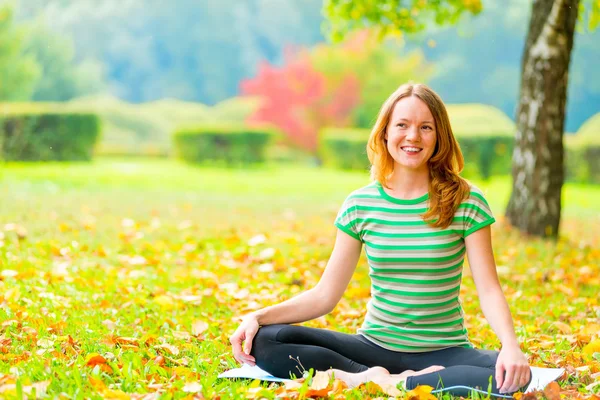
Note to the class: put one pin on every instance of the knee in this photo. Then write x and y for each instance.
(265, 338)
(492, 356)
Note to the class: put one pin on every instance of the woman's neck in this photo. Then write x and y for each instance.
(408, 184)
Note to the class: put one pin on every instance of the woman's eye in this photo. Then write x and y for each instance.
(427, 127)
(401, 125)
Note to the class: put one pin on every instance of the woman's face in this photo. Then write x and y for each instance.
(411, 134)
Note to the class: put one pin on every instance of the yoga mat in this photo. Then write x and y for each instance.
(540, 378)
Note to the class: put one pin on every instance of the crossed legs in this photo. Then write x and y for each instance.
(288, 350)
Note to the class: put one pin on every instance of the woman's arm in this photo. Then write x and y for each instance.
(308, 305)
(496, 311)
(323, 298)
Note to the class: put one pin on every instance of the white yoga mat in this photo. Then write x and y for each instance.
(540, 377)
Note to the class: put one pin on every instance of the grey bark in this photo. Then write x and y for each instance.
(535, 202)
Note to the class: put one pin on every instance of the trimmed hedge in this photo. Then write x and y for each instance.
(38, 135)
(344, 148)
(485, 155)
(582, 158)
(229, 144)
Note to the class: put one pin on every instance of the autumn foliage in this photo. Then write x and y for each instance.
(299, 99)
(125, 279)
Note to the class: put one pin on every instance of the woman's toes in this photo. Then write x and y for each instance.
(373, 371)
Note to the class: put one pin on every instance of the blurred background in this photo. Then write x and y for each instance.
(148, 70)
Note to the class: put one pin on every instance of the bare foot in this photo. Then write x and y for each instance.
(395, 379)
(379, 375)
(356, 379)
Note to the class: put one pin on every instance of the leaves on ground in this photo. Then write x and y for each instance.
(136, 295)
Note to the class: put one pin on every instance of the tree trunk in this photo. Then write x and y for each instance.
(538, 175)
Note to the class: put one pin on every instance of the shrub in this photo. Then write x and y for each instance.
(34, 134)
(228, 144)
(344, 148)
(487, 156)
(582, 158)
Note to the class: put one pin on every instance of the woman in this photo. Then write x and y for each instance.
(417, 220)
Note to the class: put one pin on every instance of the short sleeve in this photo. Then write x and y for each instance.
(477, 212)
(346, 219)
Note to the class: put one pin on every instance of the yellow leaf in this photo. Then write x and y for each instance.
(166, 302)
(591, 329)
(421, 392)
(592, 347)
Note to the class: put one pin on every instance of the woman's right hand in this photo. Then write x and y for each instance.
(244, 333)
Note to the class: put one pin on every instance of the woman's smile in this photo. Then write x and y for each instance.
(411, 135)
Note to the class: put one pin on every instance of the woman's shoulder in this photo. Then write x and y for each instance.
(474, 193)
(365, 191)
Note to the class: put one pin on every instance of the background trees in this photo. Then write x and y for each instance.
(535, 204)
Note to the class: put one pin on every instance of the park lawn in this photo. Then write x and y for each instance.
(128, 276)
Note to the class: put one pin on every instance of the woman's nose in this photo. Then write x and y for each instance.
(413, 134)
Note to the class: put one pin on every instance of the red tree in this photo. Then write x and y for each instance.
(299, 100)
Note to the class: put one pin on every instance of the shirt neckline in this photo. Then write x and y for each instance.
(396, 200)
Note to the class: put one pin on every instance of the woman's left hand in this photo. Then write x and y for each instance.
(513, 362)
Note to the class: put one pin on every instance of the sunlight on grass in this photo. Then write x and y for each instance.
(128, 276)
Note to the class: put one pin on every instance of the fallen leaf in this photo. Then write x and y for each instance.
(562, 327)
(122, 340)
(591, 348)
(320, 381)
(168, 348)
(94, 359)
(552, 391)
(421, 392)
(192, 387)
(198, 328)
(166, 302)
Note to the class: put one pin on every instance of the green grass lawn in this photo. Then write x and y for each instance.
(128, 276)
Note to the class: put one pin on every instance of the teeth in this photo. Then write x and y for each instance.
(411, 149)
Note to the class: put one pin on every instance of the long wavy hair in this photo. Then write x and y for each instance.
(447, 189)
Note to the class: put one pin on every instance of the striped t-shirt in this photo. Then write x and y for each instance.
(415, 269)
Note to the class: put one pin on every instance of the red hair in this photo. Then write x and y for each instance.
(447, 189)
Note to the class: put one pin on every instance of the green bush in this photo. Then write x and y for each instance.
(344, 148)
(228, 144)
(486, 137)
(35, 134)
(582, 158)
(487, 156)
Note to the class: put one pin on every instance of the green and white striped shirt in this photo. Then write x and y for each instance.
(415, 269)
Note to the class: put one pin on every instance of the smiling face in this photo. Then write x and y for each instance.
(411, 134)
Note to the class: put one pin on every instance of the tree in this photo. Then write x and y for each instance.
(18, 72)
(375, 64)
(538, 168)
(62, 79)
(298, 99)
(185, 49)
(534, 205)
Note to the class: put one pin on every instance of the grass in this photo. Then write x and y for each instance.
(146, 265)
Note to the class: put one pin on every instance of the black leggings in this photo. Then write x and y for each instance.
(283, 350)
